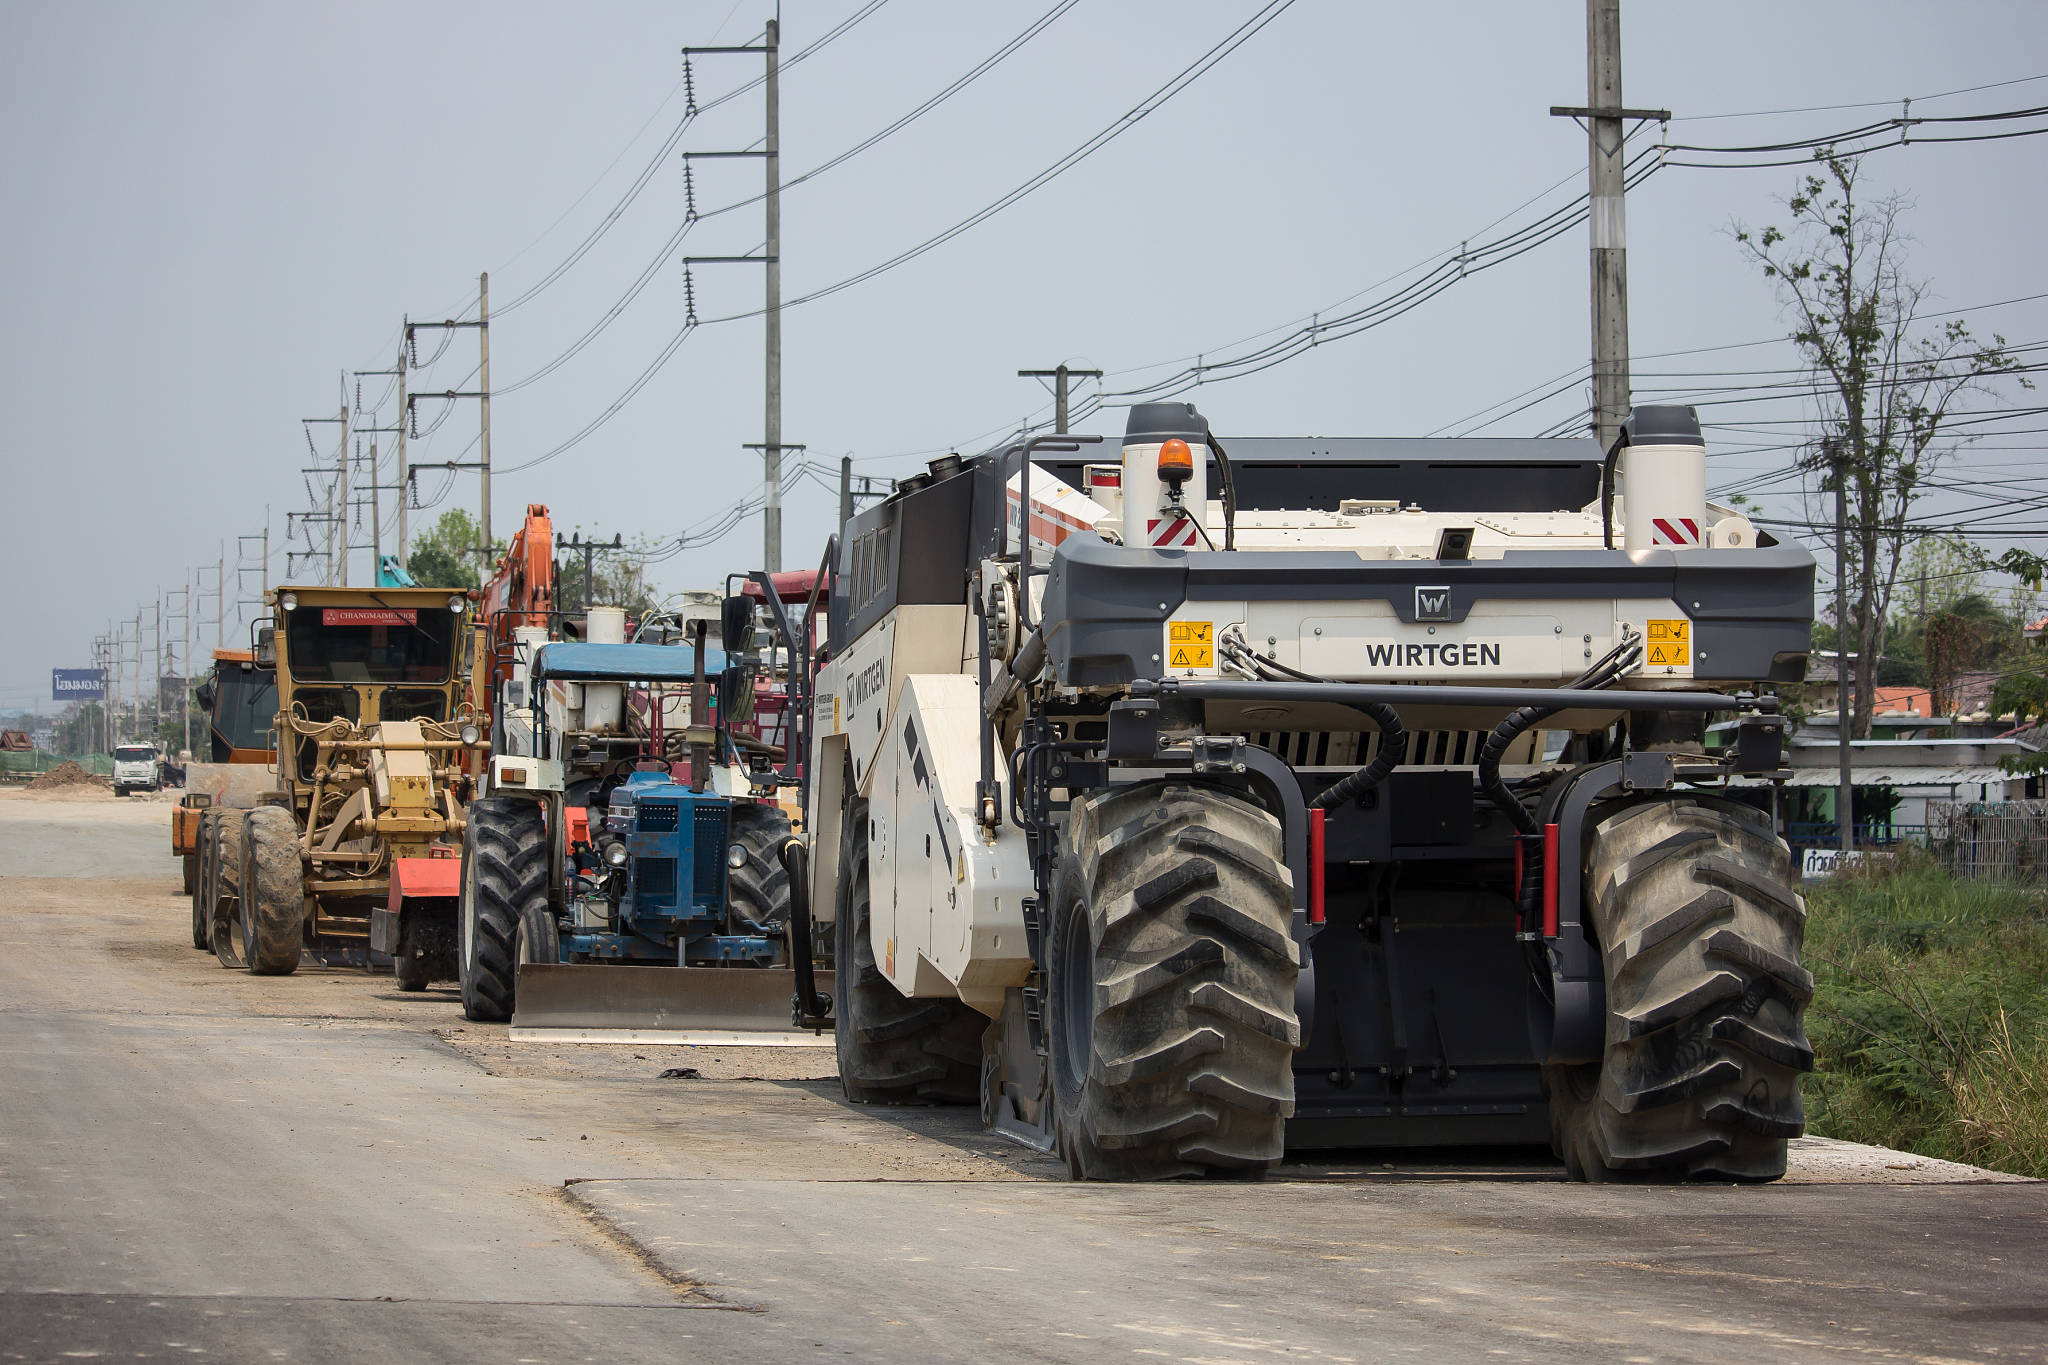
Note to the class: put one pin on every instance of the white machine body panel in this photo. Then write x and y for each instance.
(947, 909)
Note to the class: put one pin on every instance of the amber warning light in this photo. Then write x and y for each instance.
(1176, 462)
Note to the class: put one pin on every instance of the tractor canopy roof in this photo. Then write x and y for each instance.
(567, 661)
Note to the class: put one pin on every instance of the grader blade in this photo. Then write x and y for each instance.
(706, 1006)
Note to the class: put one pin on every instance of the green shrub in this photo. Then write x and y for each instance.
(1930, 1014)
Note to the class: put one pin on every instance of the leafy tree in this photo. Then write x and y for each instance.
(445, 556)
(1886, 382)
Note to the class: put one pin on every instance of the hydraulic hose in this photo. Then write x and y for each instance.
(1605, 671)
(1393, 736)
(812, 1008)
(1393, 749)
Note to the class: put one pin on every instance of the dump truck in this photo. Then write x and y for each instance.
(1189, 807)
(240, 703)
(352, 854)
(622, 878)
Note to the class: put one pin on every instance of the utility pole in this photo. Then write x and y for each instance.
(409, 404)
(185, 692)
(1602, 119)
(771, 506)
(587, 548)
(845, 493)
(220, 580)
(1059, 375)
(770, 445)
(344, 462)
(483, 345)
(404, 477)
(1845, 778)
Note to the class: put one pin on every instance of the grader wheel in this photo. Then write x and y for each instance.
(273, 896)
(223, 886)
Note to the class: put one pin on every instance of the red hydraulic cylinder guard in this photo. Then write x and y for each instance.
(1315, 865)
(1550, 881)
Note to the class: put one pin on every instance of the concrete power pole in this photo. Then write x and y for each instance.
(1603, 118)
(845, 492)
(404, 480)
(483, 343)
(343, 460)
(771, 427)
(1059, 375)
(771, 445)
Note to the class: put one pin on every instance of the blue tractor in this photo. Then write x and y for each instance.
(626, 876)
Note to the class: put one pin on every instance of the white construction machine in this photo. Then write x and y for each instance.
(1186, 807)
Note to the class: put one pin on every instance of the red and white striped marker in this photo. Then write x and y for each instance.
(1674, 531)
(1170, 533)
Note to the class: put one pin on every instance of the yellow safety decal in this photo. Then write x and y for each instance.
(1669, 644)
(1191, 644)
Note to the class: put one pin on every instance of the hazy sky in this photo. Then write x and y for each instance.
(212, 210)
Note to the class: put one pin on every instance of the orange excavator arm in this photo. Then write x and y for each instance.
(521, 589)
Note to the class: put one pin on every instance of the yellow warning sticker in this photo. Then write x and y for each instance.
(1669, 644)
(1190, 644)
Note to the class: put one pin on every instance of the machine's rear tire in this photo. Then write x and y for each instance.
(504, 884)
(758, 889)
(224, 886)
(273, 893)
(1169, 1008)
(195, 883)
(892, 1049)
(1700, 925)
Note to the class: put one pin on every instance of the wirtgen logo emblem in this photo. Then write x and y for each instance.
(1433, 604)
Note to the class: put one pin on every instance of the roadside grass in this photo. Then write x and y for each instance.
(1930, 1014)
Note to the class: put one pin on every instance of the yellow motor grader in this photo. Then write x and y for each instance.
(354, 853)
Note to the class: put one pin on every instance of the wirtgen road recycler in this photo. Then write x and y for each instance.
(1188, 806)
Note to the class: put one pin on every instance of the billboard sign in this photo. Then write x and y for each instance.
(78, 684)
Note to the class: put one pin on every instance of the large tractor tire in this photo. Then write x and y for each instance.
(224, 886)
(892, 1049)
(504, 904)
(1169, 1002)
(1693, 903)
(757, 891)
(195, 884)
(273, 893)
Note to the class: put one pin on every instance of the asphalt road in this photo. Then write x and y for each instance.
(201, 1164)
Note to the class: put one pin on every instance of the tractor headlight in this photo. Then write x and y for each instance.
(615, 853)
(470, 734)
(456, 601)
(736, 857)
(289, 601)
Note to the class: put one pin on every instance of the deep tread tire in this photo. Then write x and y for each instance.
(195, 883)
(892, 1049)
(504, 884)
(758, 889)
(1700, 922)
(273, 893)
(1170, 1018)
(224, 883)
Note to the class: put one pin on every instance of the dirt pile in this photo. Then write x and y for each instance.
(66, 774)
